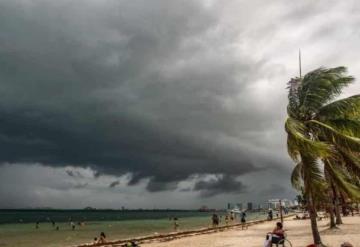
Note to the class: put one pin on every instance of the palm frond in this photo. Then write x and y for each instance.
(348, 127)
(297, 177)
(348, 108)
(343, 181)
(299, 142)
(320, 86)
(351, 161)
(333, 136)
(314, 181)
(293, 96)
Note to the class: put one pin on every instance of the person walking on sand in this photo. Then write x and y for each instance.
(270, 214)
(243, 220)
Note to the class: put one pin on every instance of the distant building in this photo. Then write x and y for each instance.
(275, 203)
(229, 206)
(249, 206)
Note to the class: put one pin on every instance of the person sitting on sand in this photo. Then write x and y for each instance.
(132, 244)
(95, 240)
(346, 244)
(102, 238)
(275, 236)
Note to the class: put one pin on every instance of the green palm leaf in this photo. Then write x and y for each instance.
(320, 87)
(296, 177)
(331, 135)
(343, 181)
(299, 142)
(348, 108)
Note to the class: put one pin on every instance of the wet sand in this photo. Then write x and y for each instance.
(298, 232)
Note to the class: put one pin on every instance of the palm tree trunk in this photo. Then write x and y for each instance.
(343, 205)
(332, 217)
(337, 206)
(314, 227)
(331, 212)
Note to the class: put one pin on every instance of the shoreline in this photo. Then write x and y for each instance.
(182, 234)
(298, 233)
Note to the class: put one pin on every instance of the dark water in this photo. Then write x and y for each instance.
(30, 216)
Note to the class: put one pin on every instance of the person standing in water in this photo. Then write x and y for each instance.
(102, 238)
(215, 220)
(72, 224)
(176, 224)
(227, 219)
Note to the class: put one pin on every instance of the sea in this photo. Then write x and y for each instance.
(18, 227)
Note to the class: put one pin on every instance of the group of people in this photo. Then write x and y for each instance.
(215, 219)
(56, 227)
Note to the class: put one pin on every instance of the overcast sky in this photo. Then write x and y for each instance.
(157, 104)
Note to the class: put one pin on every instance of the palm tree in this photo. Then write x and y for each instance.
(323, 136)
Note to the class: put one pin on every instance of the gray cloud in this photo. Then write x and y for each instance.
(75, 174)
(220, 185)
(114, 184)
(143, 98)
(161, 91)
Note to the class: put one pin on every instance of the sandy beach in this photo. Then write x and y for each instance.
(298, 232)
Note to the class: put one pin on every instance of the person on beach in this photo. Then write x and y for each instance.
(275, 236)
(95, 240)
(227, 219)
(102, 238)
(270, 214)
(72, 224)
(37, 224)
(232, 216)
(176, 224)
(215, 220)
(243, 220)
(346, 244)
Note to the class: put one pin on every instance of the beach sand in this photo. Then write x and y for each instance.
(298, 232)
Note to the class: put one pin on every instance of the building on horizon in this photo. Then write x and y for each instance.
(249, 206)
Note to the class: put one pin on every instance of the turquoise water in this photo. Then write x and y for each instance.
(116, 225)
(32, 216)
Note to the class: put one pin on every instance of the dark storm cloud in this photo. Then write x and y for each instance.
(75, 174)
(114, 184)
(125, 87)
(81, 185)
(276, 190)
(220, 185)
